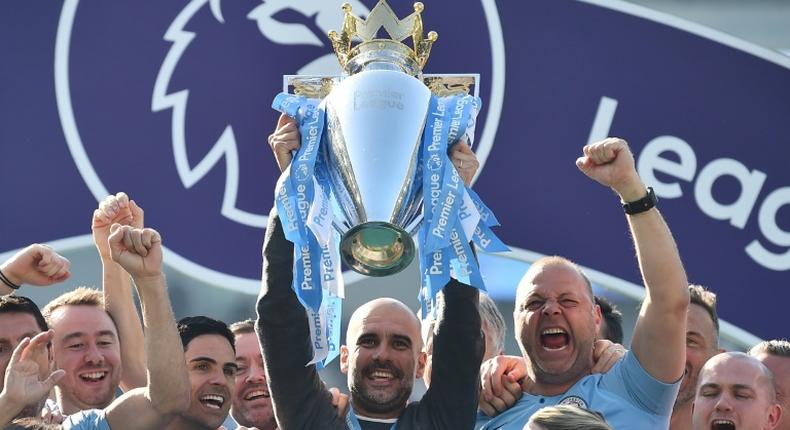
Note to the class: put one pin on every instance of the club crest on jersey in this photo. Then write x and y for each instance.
(574, 401)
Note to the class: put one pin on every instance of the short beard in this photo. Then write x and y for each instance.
(372, 404)
(687, 395)
(246, 420)
(99, 403)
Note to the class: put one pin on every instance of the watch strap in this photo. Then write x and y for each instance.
(642, 205)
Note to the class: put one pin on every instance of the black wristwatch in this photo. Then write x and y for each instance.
(642, 205)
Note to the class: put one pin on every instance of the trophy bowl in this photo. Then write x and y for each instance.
(375, 121)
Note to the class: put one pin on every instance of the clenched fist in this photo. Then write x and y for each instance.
(137, 250)
(611, 163)
(37, 265)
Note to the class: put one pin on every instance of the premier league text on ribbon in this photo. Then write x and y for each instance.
(373, 172)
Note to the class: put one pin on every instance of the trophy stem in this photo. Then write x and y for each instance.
(377, 248)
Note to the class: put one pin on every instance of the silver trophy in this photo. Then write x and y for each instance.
(375, 116)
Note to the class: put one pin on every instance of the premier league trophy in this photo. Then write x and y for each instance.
(372, 176)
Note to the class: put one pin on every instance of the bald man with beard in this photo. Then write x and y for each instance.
(557, 321)
(383, 354)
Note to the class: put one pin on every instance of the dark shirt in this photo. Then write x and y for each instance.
(300, 399)
(373, 425)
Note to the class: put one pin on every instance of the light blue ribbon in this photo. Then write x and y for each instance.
(486, 215)
(325, 333)
(294, 197)
(445, 209)
(299, 188)
(463, 261)
(444, 244)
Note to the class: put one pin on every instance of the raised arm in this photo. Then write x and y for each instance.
(458, 345)
(299, 397)
(36, 265)
(117, 287)
(139, 252)
(659, 336)
(451, 401)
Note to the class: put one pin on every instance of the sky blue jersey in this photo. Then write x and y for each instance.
(627, 396)
(93, 419)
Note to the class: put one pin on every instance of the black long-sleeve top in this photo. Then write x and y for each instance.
(300, 399)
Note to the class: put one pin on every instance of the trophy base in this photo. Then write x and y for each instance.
(377, 249)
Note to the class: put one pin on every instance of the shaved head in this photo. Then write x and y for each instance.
(726, 360)
(549, 263)
(737, 389)
(555, 295)
(383, 306)
(382, 357)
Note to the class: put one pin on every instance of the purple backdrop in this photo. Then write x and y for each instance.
(142, 88)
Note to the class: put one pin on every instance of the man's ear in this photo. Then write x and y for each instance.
(344, 359)
(421, 360)
(775, 415)
(598, 316)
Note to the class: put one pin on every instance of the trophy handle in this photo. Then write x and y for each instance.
(442, 85)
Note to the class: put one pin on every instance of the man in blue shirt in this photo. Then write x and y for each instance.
(167, 393)
(557, 320)
(139, 252)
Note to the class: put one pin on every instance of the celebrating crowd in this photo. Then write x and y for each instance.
(89, 360)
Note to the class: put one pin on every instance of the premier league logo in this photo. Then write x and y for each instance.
(171, 103)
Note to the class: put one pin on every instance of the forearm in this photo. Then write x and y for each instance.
(9, 275)
(119, 303)
(659, 336)
(168, 382)
(457, 355)
(659, 262)
(458, 335)
(299, 397)
(460, 319)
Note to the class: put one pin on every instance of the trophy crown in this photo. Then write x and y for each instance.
(392, 50)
